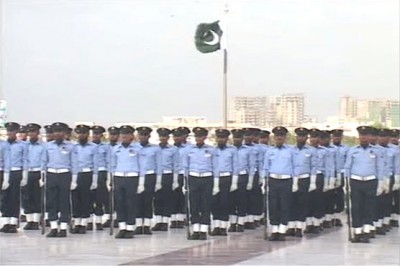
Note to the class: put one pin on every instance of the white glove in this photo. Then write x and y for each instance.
(313, 183)
(386, 187)
(234, 185)
(262, 181)
(74, 183)
(338, 180)
(158, 183)
(175, 183)
(380, 188)
(140, 188)
(24, 180)
(295, 186)
(109, 182)
(93, 186)
(42, 182)
(6, 181)
(396, 185)
(331, 184)
(250, 183)
(326, 185)
(215, 190)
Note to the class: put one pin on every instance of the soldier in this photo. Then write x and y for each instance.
(100, 197)
(125, 169)
(246, 167)
(395, 182)
(31, 200)
(15, 176)
(85, 181)
(330, 178)
(68, 134)
(49, 133)
(364, 167)
(341, 153)
(23, 133)
(316, 206)
(180, 135)
(278, 168)
(113, 136)
(198, 165)
(305, 166)
(150, 173)
(225, 170)
(170, 169)
(59, 162)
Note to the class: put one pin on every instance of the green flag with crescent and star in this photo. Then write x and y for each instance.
(208, 37)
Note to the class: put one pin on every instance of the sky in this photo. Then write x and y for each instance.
(110, 61)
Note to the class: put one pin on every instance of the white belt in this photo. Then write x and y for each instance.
(303, 176)
(319, 172)
(1, 169)
(35, 169)
(280, 176)
(15, 169)
(86, 170)
(182, 172)
(57, 171)
(102, 169)
(343, 171)
(222, 174)
(206, 174)
(167, 172)
(128, 174)
(150, 172)
(363, 178)
(243, 172)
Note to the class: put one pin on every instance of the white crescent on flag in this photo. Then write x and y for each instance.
(215, 39)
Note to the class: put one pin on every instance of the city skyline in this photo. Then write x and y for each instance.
(109, 61)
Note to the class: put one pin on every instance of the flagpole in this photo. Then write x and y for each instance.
(225, 68)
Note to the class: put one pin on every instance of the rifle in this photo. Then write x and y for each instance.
(111, 202)
(43, 204)
(266, 214)
(348, 209)
(187, 202)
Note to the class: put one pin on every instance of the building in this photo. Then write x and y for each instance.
(249, 110)
(290, 109)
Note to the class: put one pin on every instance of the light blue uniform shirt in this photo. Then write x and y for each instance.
(86, 157)
(182, 149)
(16, 155)
(392, 160)
(365, 162)
(36, 151)
(278, 161)
(2, 155)
(261, 150)
(110, 148)
(198, 159)
(246, 160)
(170, 159)
(103, 153)
(305, 160)
(125, 159)
(341, 153)
(324, 164)
(225, 160)
(149, 159)
(59, 156)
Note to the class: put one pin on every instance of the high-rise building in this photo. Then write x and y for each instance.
(250, 110)
(290, 110)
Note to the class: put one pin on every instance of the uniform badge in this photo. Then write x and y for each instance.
(132, 152)
(64, 150)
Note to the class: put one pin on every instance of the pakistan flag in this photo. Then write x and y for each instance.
(208, 37)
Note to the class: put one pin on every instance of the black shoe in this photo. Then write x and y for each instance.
(281, 237)
(262, 221)
(380, 231)
(52, 233)
(386, 227)
(251, 226)
(327, 224)
(138, 230)
(372, 234)
(240, 228)
(203, 236)
(121, 234)
(298, 233)
(232, 228)
(82, 230)
(146, 230)
(394, 223)
(181, 224)
(195, 236)
(337, 222)
(316, 229)
(164, 227)
(107, 224)
(75, 229)
(290, 232)
(115, 224)
(360, 238)
(4, 228)
(257, 224)
(23, 218)
(28, 226)
(274, 237)
(364, 238)
(89, 227)
(99, 227)
(174, 224)
(47, 223)
(62, 233)
(215, 232)
(222, 232)
(12, 228)
(35, 226)
(157, 227)
(309, 229)
(128, 234)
